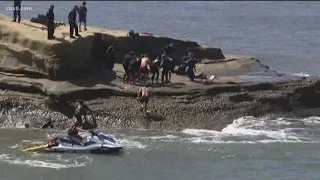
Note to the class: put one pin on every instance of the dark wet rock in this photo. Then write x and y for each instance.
(240, 97)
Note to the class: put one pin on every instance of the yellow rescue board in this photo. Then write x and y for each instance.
(36, 148)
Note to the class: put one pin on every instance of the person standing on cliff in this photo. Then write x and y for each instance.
(72, 17)
(169, 50)
(83, 16)
(191, 67)
(165, 65)
(125, 64)
(110, 57)
(50, 27)
(17, 11)
(155, 66)
(145, 67)
(143, 97)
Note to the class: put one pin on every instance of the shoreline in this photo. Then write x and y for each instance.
(39, 74)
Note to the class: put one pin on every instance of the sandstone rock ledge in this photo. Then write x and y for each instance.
(32, 69)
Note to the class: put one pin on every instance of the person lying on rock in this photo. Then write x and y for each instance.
(154, 69)
(143, 97)
(125, 64)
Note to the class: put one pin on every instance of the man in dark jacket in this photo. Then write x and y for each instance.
(134, 68)
(73, 22)
(110, 57)
(125, 64)
(165, 65)
(50, 16)
(155, 69)
(17, 11)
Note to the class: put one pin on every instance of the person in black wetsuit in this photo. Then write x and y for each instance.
(169, 50)
(72, 17)
(48, 123)
(172, 66)
(17, 11)
(191, 65)
(165, 65)
(50, 16)
(125, 64)
(134, 68)
(155, 65)
(110, 57)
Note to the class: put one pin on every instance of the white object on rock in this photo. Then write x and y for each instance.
(212, 77)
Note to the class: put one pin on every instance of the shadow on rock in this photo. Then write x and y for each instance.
(98, 76)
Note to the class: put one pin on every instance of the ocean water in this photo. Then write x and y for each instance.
(283, 35)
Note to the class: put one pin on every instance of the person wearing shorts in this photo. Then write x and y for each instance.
(143, 97)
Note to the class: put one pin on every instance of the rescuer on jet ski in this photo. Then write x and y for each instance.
(73, 132)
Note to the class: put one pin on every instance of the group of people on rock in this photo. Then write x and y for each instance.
(136, 67)
(72, 19)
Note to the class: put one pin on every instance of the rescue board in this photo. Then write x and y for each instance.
(36, 148)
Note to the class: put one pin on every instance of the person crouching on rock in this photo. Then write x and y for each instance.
(155, 69)
(143, 97)
(73, 132)
(145, 67)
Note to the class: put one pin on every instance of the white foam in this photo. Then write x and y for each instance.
(131, 144)
(301, 74)
(41, 163)
(259, 130)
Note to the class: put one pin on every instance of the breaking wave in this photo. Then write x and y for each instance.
(264, 130)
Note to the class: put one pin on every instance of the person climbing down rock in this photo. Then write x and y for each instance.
(143, 97)
(80, 109)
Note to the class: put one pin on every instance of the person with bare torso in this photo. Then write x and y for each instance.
(145, 67)
(143, 97)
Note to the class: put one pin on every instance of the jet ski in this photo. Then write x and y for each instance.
(96, 143)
